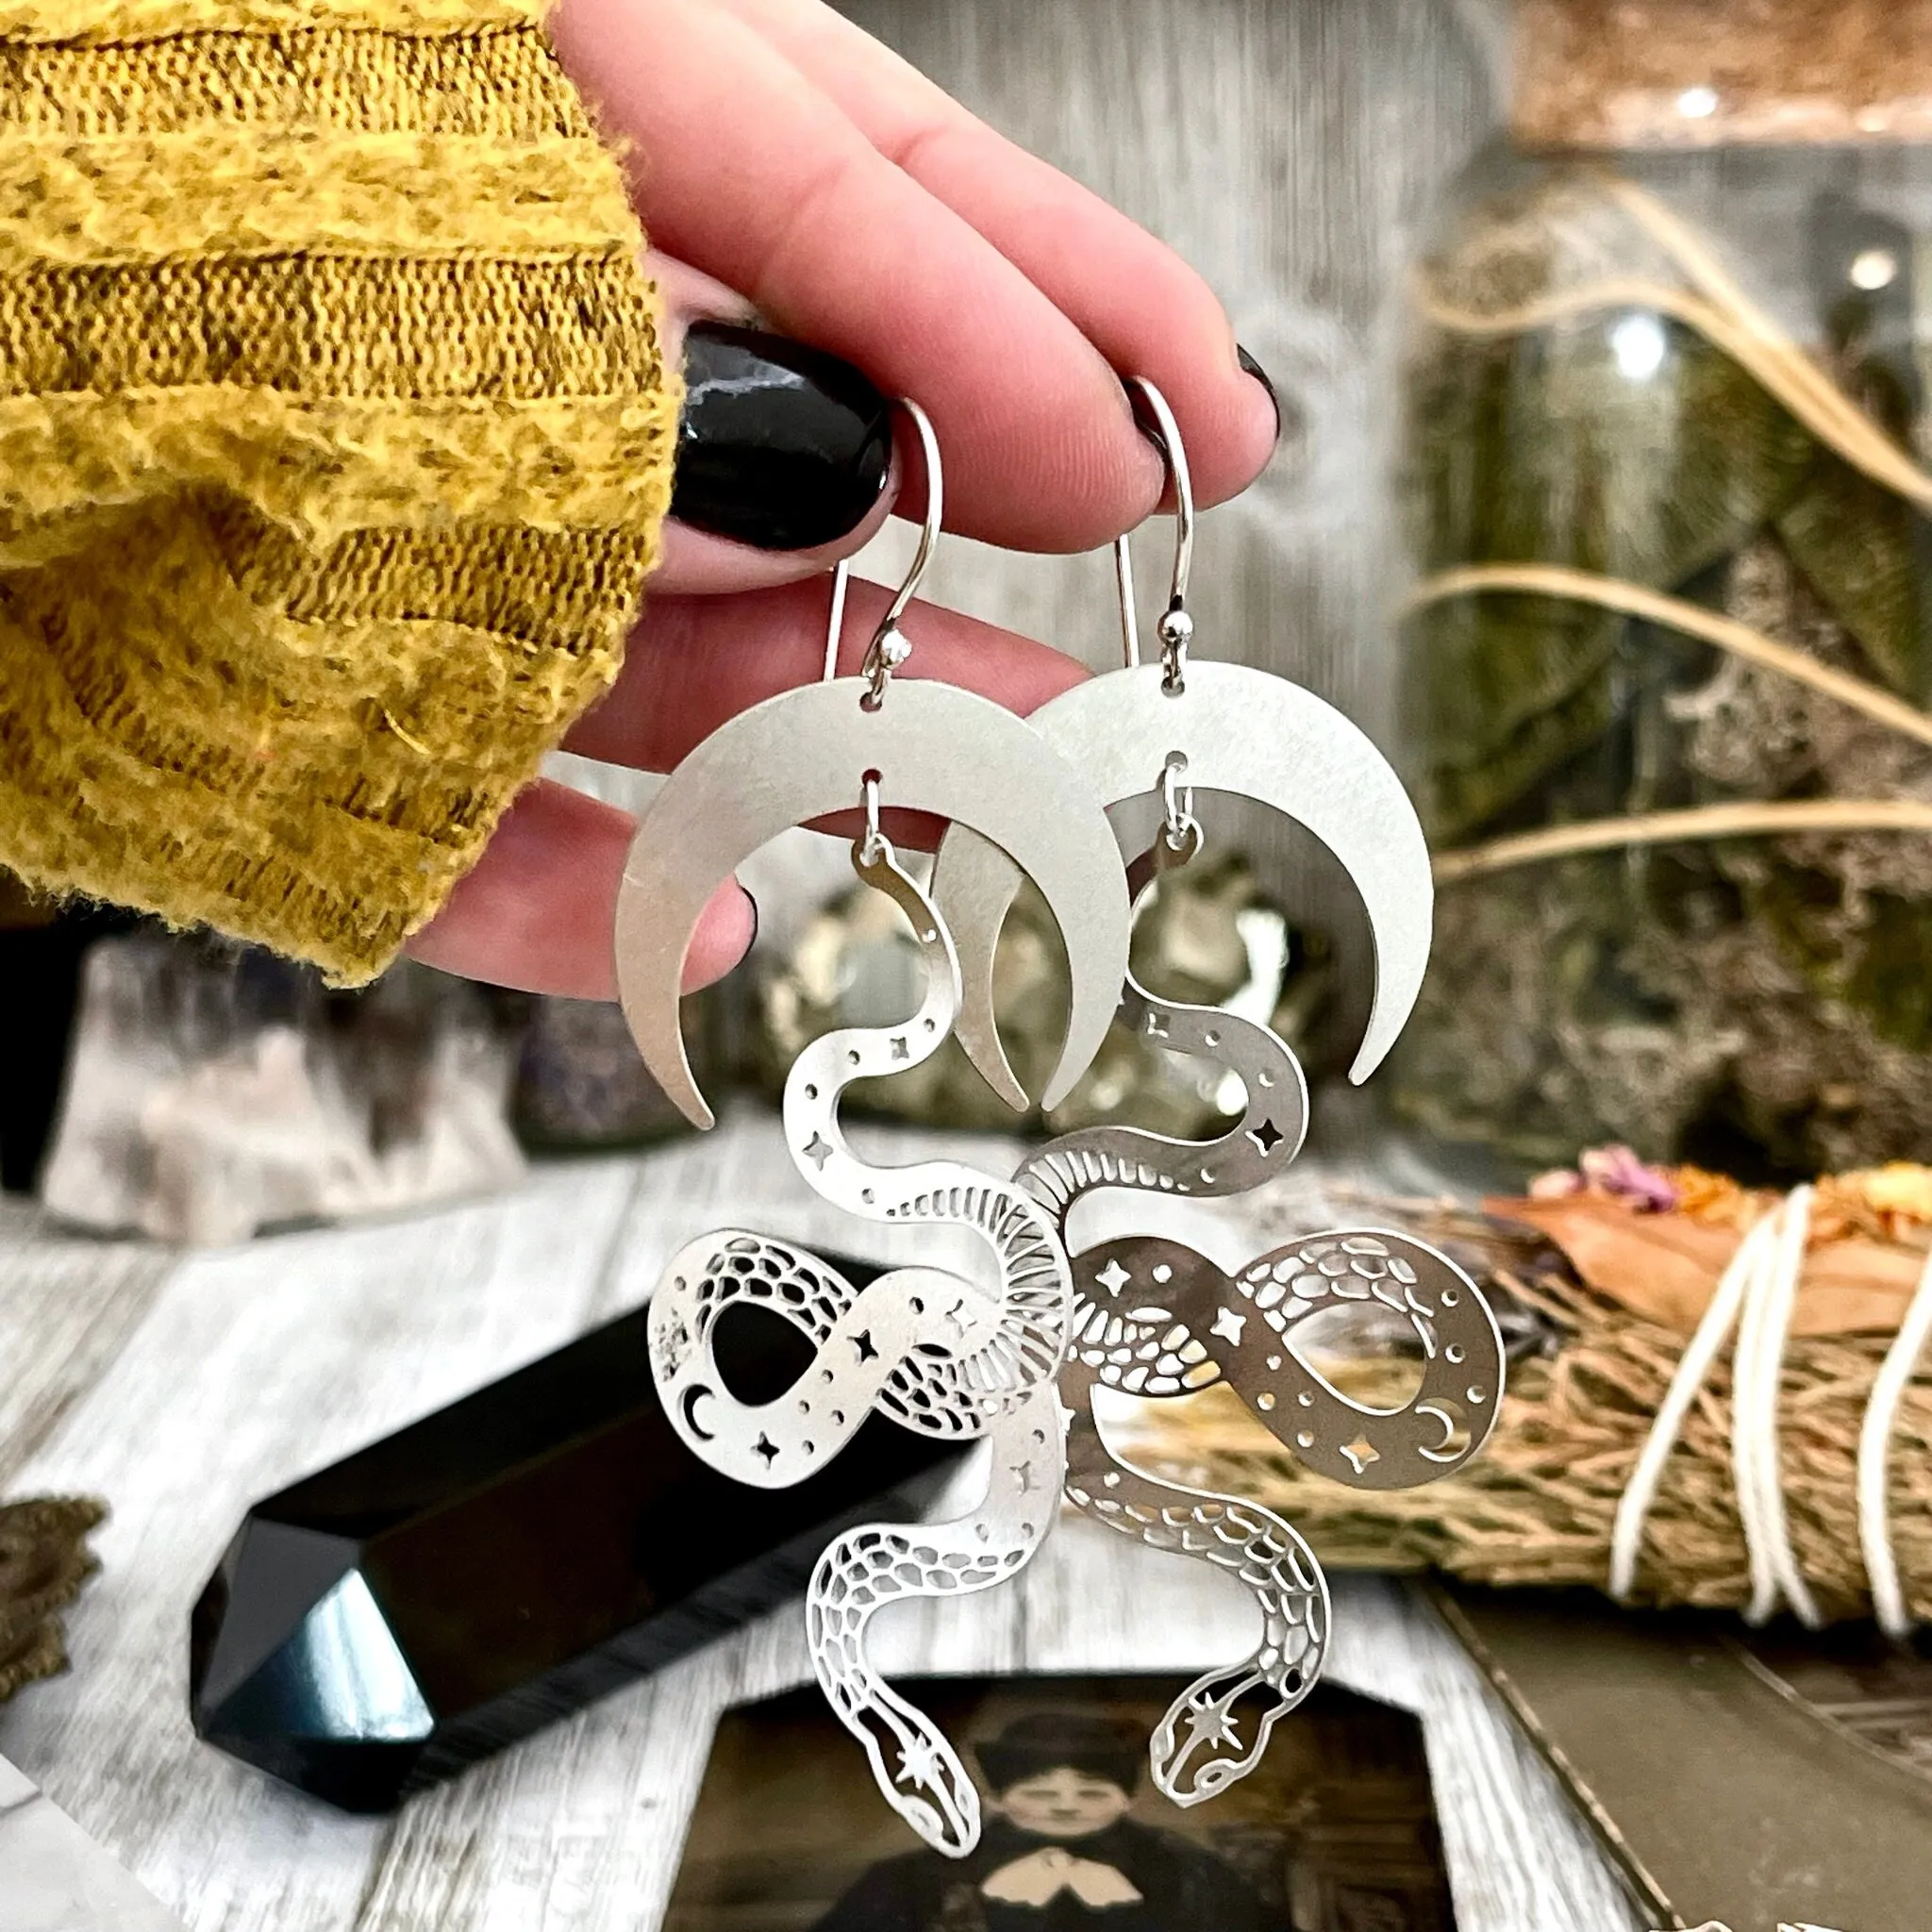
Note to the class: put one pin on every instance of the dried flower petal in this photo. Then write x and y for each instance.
(1901, 1187)
(1713, 1196)
(1618, 1173)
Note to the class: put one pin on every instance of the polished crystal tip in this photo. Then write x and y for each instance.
(508, 1560)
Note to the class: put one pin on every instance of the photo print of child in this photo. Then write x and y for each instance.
(1334, 1832)
(1058, 1853)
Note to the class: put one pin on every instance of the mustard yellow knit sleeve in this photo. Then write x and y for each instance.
(334, 444)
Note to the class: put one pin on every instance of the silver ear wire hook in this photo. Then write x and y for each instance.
(835, 628)
(889, 646)
(1175, 627)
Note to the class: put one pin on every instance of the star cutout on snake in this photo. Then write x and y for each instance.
(1113, 1277)
(1361, 1453)
(862, 1342)
(1213, 1725)
(1267, 1137)
(900, 1049)
(1228, 1326)
(818, 1149)
(919, 1763)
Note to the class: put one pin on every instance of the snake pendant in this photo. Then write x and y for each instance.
(1154, 1319)
(914, 1764)
(930, 1348)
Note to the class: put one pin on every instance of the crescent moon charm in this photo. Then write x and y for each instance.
(1240, 730)
(799, 756)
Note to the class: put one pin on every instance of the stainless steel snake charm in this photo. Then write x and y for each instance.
(1154, 1319)
(928, 1347)
(919, 1770)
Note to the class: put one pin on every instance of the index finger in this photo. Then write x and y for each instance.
(745, 169)
(1133, 297)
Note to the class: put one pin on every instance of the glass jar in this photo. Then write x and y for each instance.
(1666, 661)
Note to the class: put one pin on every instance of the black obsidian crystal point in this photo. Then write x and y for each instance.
(509, 1559)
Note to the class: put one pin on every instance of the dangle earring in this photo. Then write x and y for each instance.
(1154, 1319)
(929, 1348)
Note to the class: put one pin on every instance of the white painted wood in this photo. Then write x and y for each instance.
(252, 1367)
(249, 1367)
(67, 1306)
(56, 1879)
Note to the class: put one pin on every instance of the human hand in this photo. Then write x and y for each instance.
(1039, 1877)
(789, 168)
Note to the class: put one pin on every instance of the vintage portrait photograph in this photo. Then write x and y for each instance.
(1335, 1831)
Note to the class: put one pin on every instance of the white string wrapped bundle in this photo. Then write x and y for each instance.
(1746, 1467)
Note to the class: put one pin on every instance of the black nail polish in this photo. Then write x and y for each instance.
(782, 446)
(1261, 375)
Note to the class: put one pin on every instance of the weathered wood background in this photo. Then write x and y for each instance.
(1293, 151)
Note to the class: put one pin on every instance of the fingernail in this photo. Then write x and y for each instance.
(782, 446)
(751, 945)
(1261, 375)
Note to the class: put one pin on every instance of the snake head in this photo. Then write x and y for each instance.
(1216, 1730)
(933, 1795)
(916, 1768)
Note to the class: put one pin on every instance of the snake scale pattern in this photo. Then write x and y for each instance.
(1154, 1319)
(932, 1349)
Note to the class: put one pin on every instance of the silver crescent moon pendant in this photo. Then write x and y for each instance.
(801, 755)
(1240, 730)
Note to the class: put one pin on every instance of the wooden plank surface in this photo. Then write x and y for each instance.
(238, 1371)
(67, 1307)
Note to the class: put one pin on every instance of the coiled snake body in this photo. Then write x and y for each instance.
(1144, 1315)
(929, 1347)
(1155, 1319)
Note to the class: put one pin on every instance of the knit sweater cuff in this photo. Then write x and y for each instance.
(335, 440)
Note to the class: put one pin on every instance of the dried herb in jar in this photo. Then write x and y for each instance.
(1666, 673)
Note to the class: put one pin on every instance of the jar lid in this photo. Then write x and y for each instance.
(1647, 73)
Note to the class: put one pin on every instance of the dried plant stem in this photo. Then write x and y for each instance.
(1679, 827)
(1727, 318)
(1803, 386)
(1675, 613)
(1747, 819)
